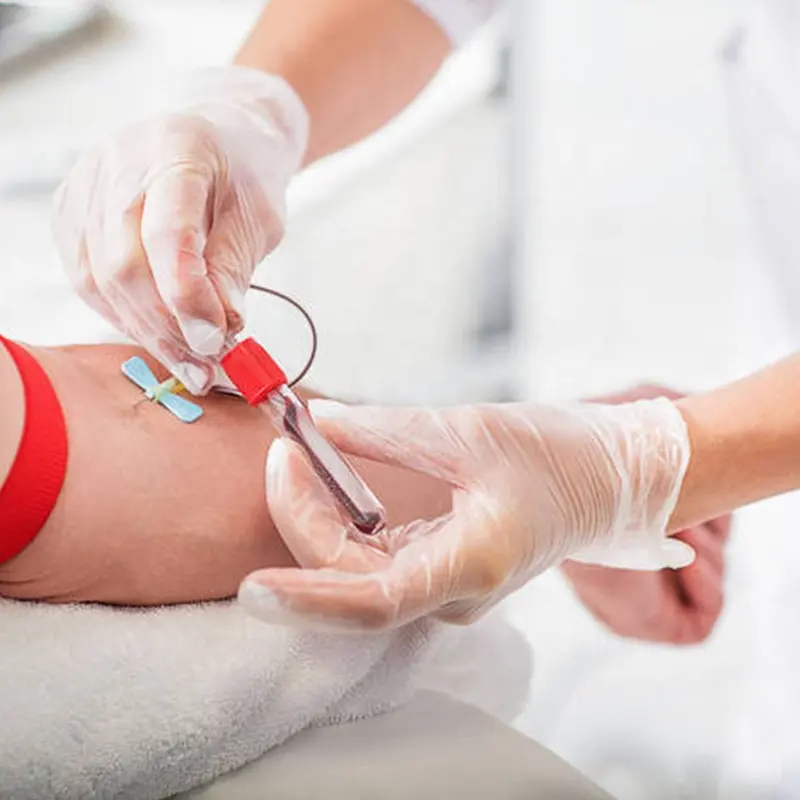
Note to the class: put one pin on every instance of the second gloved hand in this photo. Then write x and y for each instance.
(161, 227)
(531, 486)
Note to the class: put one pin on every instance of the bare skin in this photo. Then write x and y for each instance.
(154, 511)
(355, 63)
(745, 443)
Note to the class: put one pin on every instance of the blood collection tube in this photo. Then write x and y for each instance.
(263, 383)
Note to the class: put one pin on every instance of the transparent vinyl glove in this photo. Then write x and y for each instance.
(161, 226)
(531, 486)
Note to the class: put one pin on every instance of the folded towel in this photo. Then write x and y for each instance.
(98, 702)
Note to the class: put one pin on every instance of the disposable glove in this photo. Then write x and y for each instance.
(679, 606)
(161, 227)
(531, 486)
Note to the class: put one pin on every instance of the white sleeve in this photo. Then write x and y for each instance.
(459, 18)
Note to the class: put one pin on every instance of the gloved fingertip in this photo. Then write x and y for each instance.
(259, 600)
(205, 338)
(327, 409)
(677, 554)
(196, 379)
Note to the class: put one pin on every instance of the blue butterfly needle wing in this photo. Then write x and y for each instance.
(182, 408)
(136, 370)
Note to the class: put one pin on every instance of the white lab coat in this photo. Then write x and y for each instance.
(763, 68)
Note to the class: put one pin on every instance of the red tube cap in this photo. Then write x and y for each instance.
(253, 371)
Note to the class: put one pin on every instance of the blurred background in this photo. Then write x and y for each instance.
(570, 208)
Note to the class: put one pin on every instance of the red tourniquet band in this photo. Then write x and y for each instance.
(32, 488)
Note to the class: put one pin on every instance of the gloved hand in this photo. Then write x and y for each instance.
(161, 227)
(676, 606)
(531, 486)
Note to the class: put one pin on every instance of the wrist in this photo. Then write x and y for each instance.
(645, 448)
(745, 448)
(653, 458)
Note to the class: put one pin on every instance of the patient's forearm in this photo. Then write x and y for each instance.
(745, 443)
(154, 512)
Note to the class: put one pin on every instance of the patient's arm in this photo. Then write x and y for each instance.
(154, 511)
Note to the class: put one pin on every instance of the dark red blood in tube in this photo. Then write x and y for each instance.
(263, 383)
(358, 502)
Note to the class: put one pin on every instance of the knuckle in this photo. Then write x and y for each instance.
(173, 227)
(174, 240)
(189, 140)
(188, 296)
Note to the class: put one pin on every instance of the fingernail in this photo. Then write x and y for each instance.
(193, 377)
(203, 337)
(259, 601)
(277, 459)
(678, 553)
(327, 409)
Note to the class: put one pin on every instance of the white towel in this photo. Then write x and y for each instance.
(133, 703)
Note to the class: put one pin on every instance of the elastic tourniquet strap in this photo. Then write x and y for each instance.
(33, 485)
